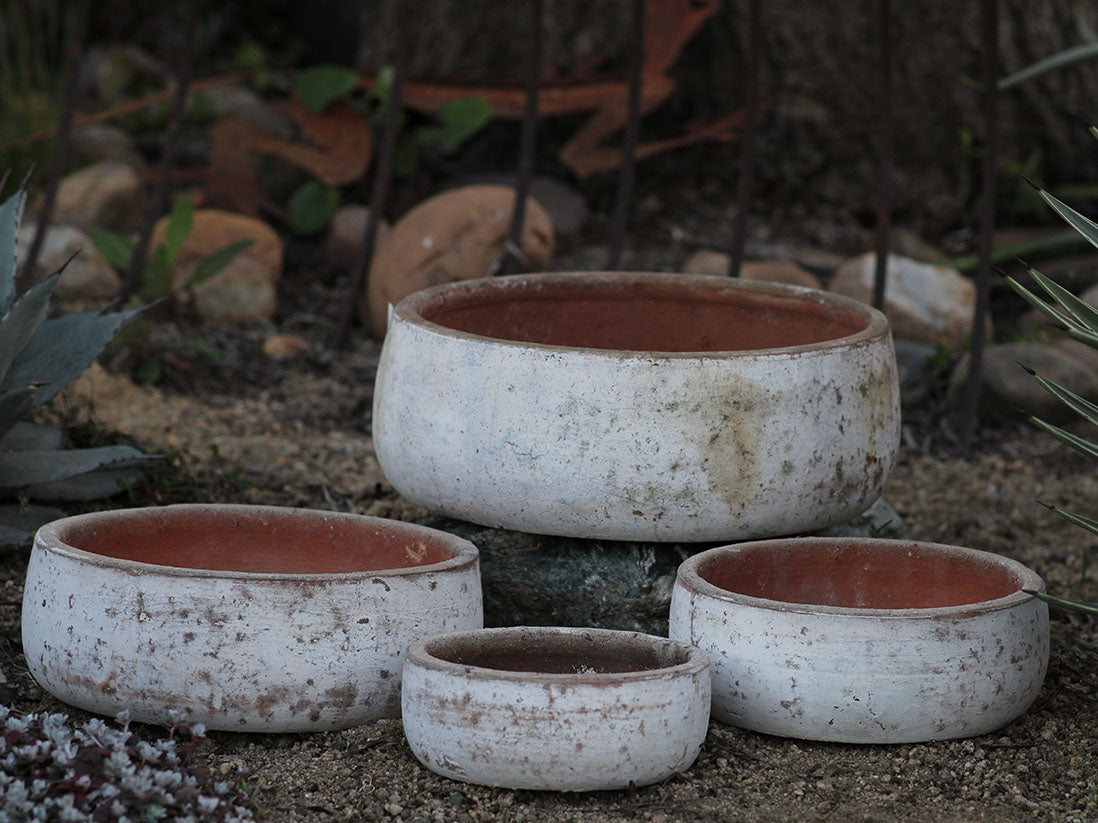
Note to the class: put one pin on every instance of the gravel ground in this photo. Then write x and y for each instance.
(297, 433)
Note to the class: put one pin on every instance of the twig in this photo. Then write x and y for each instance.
(747, 153)
(61, 144)
(383, 174)
(884, 181)
(627, 174)
(989, 13)
(526, 148)
(167, 159)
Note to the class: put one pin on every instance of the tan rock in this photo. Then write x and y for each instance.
(457, 235)
(106, 195)
(779, 271)
(214, 229)
(343, 242)
(707, 261)
(285, 346)
(924, 302)
(241, 294)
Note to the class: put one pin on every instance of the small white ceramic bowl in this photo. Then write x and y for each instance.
(864, 640)
(246, 618)
(637, 406)
(555, 708)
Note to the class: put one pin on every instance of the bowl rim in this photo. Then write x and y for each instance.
(697, 661)
(408, 311)
(47, 539)
(687, 578)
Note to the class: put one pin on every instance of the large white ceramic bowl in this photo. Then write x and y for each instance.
(555, 708)
(864, 640)
(656, 407)
(246, 618)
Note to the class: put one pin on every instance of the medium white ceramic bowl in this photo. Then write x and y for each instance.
(864, 640)
(555, 708)
(246, 618)
(654, 407)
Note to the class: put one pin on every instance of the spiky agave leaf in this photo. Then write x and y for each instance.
(1065, 603)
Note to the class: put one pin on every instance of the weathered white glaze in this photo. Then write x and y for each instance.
(311, 638)
(554, 708)
(636, 421)
(863, 640)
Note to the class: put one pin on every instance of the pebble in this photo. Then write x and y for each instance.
(87, 276)
(343, 241)
(105, 194)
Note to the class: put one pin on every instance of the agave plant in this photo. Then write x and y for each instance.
(1080, 320)
(39, 356)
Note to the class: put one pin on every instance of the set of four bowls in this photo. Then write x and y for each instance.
(612, 406)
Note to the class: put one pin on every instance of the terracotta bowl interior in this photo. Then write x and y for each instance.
(642, 316)
(556, 653)
(253, 542)
(905, 576)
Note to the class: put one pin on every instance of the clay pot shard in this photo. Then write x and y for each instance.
(244, 618)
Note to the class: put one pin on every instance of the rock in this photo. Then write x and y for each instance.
(242, 294)
(103, 141)
(88, 277)
(779, 271)
(1007, 390)
(923, 302)
(245, 290)
(566, 207)
(915, 362)
(343, 242)
(541, 580)
(285, 346)
(879, 520)
(1079, 350)
(906, 243)
(709, 261)
(456, 235)
(106, 195)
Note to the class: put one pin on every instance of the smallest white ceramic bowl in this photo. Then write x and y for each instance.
(860, 640)
(562, 709)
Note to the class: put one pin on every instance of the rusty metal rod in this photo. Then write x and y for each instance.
(989, 17)
(627, 173)
(81, 12)
(383, 174)
(132, 281)
(887, 124)
(513, 251)
(747, 149)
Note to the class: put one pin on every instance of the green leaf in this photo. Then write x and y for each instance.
(1078, 519)
(1065, 603)
(64, 347)
(461, 119)
(1085, 226)
(11, 212)
(116, 249)
(94, 485)
(1073, 440)
(26, 519)
(1085, 314)
(320, 86)
(156, 281)
(1080, 405)
(382, 91)
(312, 207)
(22, 322)
(217, 261)
(26, 435)
(177, 230)
(14, 405)
(21, 469)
